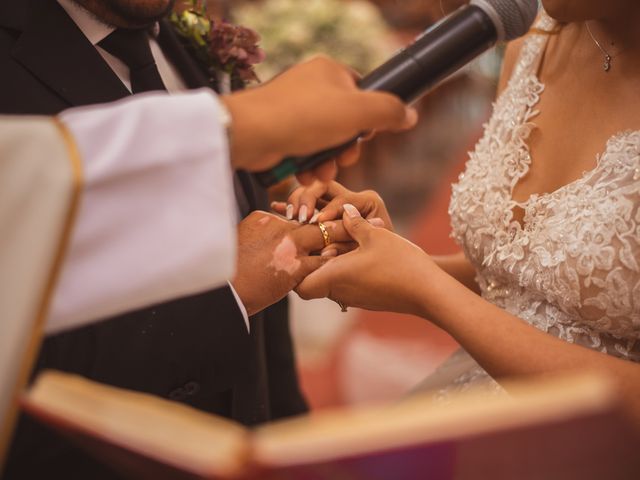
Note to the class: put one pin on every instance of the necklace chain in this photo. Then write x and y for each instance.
(607, 57)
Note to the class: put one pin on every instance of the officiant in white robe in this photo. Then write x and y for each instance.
(76, 194)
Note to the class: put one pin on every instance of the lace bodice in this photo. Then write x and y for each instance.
(573, 268)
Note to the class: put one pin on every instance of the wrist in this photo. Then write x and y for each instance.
(431, 292)
(243, 296)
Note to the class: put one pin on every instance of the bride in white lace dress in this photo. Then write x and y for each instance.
(547, 214)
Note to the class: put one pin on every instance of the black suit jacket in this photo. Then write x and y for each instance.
(194, 350)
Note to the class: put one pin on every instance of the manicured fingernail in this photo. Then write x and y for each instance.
(302, 215)
(289, 212)
(376, 222)
(329, 252)
(314, 219)
(351, 210)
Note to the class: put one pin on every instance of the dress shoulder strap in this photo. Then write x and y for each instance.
(534, 46)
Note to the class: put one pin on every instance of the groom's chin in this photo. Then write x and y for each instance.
(129, 13)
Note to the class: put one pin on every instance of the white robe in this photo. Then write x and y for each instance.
(107, 209)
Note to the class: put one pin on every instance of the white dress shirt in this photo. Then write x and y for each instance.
(96, 31)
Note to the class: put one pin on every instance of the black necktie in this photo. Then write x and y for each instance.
(132, 47)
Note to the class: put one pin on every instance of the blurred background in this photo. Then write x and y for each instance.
(359, 357)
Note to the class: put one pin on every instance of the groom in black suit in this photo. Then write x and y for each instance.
(56, 54)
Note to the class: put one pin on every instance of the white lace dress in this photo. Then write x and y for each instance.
(573, 269)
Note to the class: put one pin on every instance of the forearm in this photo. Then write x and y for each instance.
(504, 345)
(459, 267)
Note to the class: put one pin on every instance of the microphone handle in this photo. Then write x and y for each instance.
(438, 52)
(292, 165)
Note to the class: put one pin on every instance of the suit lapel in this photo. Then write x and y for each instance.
(191, 73)
(13, 15)
(54, 49)
(195, 77)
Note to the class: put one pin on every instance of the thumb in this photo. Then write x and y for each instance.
(356, 226)
(385, 111)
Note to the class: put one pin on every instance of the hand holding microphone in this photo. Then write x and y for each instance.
(310, 106)
(434, 55)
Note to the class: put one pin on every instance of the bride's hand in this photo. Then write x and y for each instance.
(329, 198)
(385, 272)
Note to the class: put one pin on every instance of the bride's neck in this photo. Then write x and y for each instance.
(619, 31)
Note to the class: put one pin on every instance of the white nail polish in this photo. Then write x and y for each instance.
(351, 210)
(316, 214)
(302, 215)
(289, 212)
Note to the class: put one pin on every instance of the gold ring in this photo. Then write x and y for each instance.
(343, 307)
(325, 234)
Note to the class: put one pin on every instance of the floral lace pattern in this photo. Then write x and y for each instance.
(572, 268)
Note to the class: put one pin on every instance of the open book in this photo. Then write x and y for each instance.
(564, 428)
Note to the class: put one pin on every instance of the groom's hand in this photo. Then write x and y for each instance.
(275, 255)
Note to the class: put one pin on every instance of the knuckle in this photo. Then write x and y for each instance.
(358, 226)
(296, 192)
(307, 196)
(374, 196)
(255, 215)
(303, 293)
(364, 230)
(369, 193)
(322, 60)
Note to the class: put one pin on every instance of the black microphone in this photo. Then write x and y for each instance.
(435, 54)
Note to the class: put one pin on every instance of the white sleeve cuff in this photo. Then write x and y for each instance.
(157, 219)
(241, 306)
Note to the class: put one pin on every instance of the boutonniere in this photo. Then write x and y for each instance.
(226, 52)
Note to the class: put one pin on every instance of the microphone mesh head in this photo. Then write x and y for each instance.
(512, 18)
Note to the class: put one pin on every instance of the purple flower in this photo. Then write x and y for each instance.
(219, 46)
(236, 48)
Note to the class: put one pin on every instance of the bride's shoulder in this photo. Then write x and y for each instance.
(544, 26)
(511, 55)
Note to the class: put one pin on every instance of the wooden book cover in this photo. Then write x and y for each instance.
(563, 428)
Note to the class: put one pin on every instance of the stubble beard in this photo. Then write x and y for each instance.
(128, 13)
